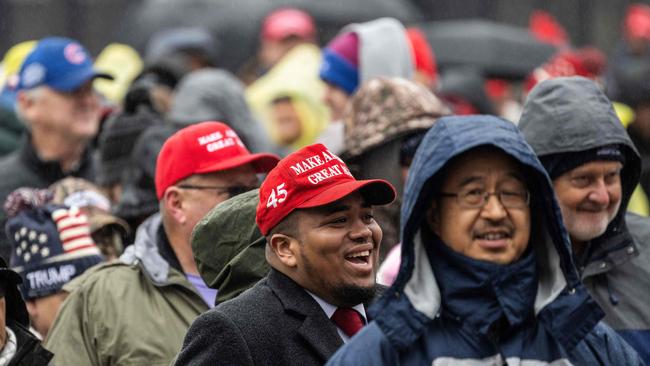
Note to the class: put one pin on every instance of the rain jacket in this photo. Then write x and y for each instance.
(430, 318)
(134, 311)
(571, 114)
(296, 77)
(229, 248)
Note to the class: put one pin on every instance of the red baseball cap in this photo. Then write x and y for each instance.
(203, 148)
(286, 22)
(310, 177)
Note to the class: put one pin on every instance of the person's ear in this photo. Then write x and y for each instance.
(24, 102)
(173, 201)
(285, 249)
(31, 307)
(433, 217)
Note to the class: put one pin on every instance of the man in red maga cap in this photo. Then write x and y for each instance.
(322, 246)
(137, 310)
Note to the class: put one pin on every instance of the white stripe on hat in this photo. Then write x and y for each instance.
(74, 232)
(77, 243)
(56, 215)
(74, 229)
(68, 221)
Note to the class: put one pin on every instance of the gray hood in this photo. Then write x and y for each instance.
(144, 251)
(216, 95)
(572, 115)
(375, 58)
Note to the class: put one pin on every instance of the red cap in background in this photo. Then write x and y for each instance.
(637, 22)
(286, 22)
(547, 29)
(587, 61)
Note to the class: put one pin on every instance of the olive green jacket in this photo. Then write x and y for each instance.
(229, 248)
(134, 311)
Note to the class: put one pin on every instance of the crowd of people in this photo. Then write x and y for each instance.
(354, 204)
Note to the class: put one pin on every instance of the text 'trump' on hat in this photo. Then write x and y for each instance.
(51, 246)
(60, 63)
(204, 148)
(310, 177)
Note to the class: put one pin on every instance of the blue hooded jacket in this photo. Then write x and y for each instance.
(412, 327)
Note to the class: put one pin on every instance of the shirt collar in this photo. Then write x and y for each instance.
(329, 309)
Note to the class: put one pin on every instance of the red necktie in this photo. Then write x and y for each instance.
(348, 320)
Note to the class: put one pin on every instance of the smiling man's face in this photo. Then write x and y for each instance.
(590, 197)
(491, 231)
(338, 251)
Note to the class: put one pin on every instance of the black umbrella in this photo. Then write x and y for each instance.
(236, 24)
(498, 50)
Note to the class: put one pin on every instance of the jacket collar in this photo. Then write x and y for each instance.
(612, 249)
(151, 251)
(29, 350)
(51, 171)
(317, 330)
(481, 293)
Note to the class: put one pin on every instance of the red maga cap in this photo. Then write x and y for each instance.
(312, 176)
(286, 22)
(204, 148)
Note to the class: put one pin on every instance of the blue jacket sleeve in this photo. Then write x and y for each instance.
(603, 346)
(369, 347)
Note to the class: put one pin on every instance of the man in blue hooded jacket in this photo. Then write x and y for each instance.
(487, 276)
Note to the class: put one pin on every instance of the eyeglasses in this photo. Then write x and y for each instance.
(476, 198)
(232, 190)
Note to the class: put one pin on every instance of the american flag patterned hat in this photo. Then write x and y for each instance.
(51, 246)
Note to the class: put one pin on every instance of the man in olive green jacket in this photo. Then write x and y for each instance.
(132, 311)
(137, 310)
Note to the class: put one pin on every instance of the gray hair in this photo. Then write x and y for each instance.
(33, 93)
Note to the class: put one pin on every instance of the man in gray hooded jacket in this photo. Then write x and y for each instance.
(595, 167)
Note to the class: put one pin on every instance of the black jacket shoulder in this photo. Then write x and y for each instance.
(29, 351)
(275, 322)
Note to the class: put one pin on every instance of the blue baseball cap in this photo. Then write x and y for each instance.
(60, 63)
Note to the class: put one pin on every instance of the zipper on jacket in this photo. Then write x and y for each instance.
(494, 336)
